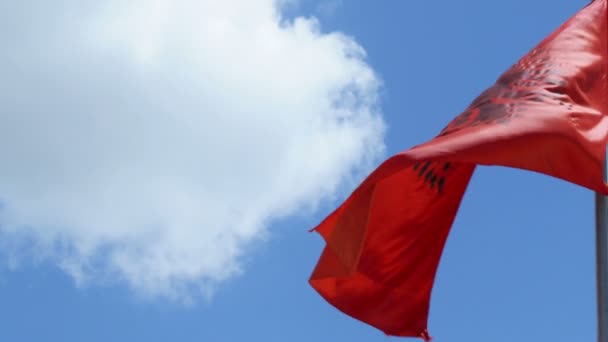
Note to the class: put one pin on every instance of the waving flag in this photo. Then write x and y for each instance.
(545, 114)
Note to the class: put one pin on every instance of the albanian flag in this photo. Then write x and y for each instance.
(547, 114)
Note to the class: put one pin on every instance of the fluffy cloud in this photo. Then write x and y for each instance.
(152, 141)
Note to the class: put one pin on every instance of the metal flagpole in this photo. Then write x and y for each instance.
(601, 247)
(601, 250)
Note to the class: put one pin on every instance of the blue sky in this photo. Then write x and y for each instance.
(518, 265)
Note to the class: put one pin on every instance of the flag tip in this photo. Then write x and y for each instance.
(425, 335)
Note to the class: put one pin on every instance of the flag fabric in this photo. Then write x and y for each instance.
(545, 114)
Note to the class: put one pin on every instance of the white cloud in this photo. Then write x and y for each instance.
(153, 141)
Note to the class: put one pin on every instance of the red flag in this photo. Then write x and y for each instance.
(545, 114)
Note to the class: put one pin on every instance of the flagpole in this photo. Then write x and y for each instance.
(601, 248)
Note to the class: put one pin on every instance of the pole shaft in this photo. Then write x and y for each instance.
(601, 236)
(601, 248)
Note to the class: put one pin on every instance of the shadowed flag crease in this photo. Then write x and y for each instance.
(545, 114)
